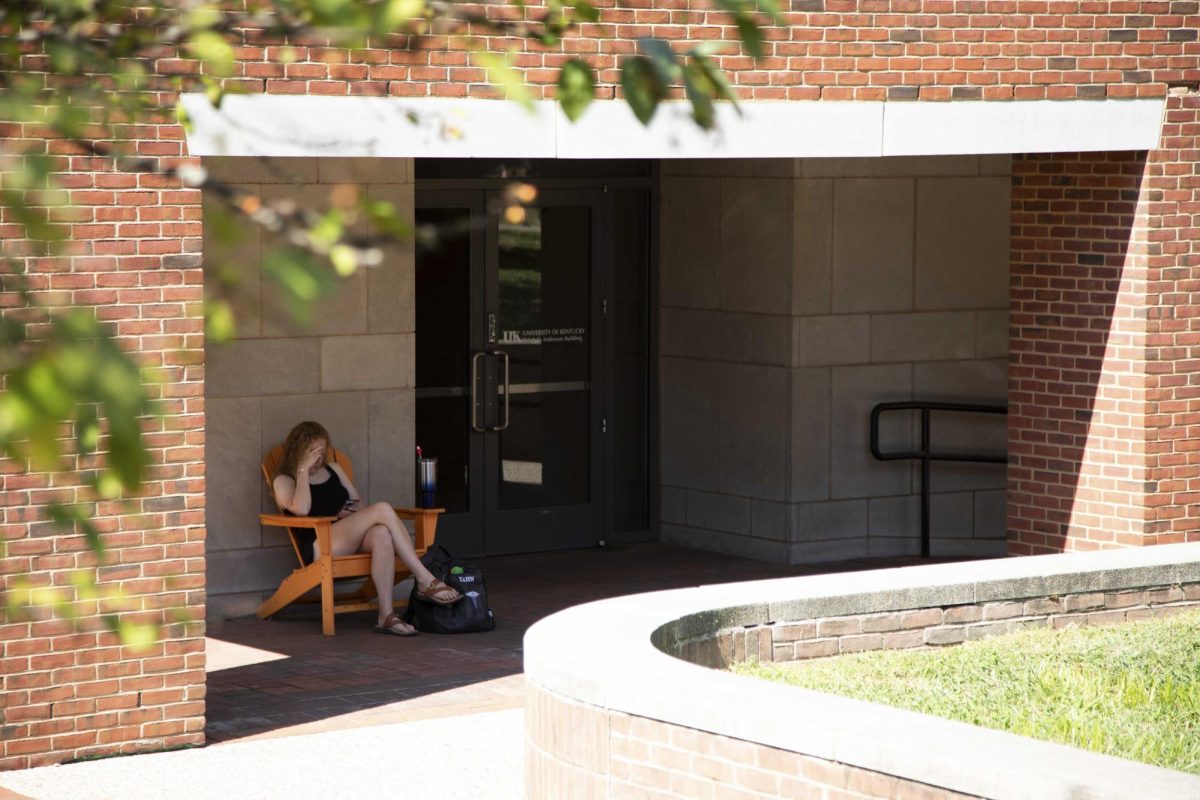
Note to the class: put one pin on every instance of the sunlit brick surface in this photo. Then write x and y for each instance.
(1103, 406)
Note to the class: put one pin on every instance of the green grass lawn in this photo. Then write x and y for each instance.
(1129, 690)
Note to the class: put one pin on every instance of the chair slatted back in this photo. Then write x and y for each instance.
(270, 464)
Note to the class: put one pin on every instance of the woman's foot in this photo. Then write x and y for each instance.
(394, 626)
(437, 592)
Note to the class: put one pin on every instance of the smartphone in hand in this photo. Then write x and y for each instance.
(348, 508)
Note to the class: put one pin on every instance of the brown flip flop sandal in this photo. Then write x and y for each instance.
(389, 622)
(435, 586)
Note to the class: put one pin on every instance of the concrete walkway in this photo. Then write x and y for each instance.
(477, 756)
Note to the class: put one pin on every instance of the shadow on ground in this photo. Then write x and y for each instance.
(359, 678)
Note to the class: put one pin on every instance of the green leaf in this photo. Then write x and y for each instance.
(213, 50)
(182, 116)
(107, 485)
(773, 10)
(643, 90)
(126, 456)
(41, 381)
(585, 11)
(64, 57)
(698, 96)
(385, 219)
(69, 120)
(202, 16)
(501, 73)
(74, 517)
(301, 278)
(662, 58)
(219, 325)
(16, 415)
(396, 13)
(750, 34)
(137, 636)
(328, 229)
(214, 91)
(344, 259)
(716, 79)
(87, 429)
(576, 88)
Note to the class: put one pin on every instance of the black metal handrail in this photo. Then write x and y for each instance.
(926, 454)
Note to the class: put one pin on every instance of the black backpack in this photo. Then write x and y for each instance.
(469, 615)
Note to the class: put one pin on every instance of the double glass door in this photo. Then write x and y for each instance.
(510, 378)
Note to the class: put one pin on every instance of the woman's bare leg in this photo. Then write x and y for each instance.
(348, 533)
(384, 515)
(376, 540)
(383, 567)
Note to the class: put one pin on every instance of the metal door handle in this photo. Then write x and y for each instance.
(475, 426)
(507, 394)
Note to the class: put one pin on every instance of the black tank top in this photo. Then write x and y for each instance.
(327, 500)
(328, 497)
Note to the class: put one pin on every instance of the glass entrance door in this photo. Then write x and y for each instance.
(510, 369)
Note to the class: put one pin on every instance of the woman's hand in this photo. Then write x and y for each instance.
(349, 508)
(312, 457)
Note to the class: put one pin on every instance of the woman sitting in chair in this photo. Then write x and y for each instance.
(308, 485)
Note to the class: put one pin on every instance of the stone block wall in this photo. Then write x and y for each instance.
(1104, 325)
(794, 296)
(352, 370)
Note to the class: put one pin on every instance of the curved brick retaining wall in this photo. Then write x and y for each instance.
(619, 703)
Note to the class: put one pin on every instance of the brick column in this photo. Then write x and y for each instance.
(1103, 313)
(1172, 246)
(70, 690)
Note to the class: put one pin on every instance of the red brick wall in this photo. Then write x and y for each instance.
(582, 752)
(1076, 473)
(936, 626)
(1172, 246)
(1102, 317)
(68, 691)
(827, 50)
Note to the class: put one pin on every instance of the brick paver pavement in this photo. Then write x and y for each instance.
(359, 678)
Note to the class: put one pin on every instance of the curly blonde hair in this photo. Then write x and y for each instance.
(297, 443)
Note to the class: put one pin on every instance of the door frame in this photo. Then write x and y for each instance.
(467, 530)
(532, 529)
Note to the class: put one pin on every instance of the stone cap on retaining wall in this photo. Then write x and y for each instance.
(602, 654)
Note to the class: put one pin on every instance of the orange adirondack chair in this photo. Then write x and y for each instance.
(326, 569)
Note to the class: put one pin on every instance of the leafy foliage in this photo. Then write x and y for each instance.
(73, 377)
(576, 88)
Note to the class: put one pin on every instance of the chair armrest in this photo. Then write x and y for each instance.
(322, 526)
(425, 523)
(288, 521)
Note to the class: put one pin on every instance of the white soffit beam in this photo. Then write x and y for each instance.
(761, 130)
(383, 127)
(435, 127)
(1028, 126)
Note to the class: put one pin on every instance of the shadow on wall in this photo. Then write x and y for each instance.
(1074, 424)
